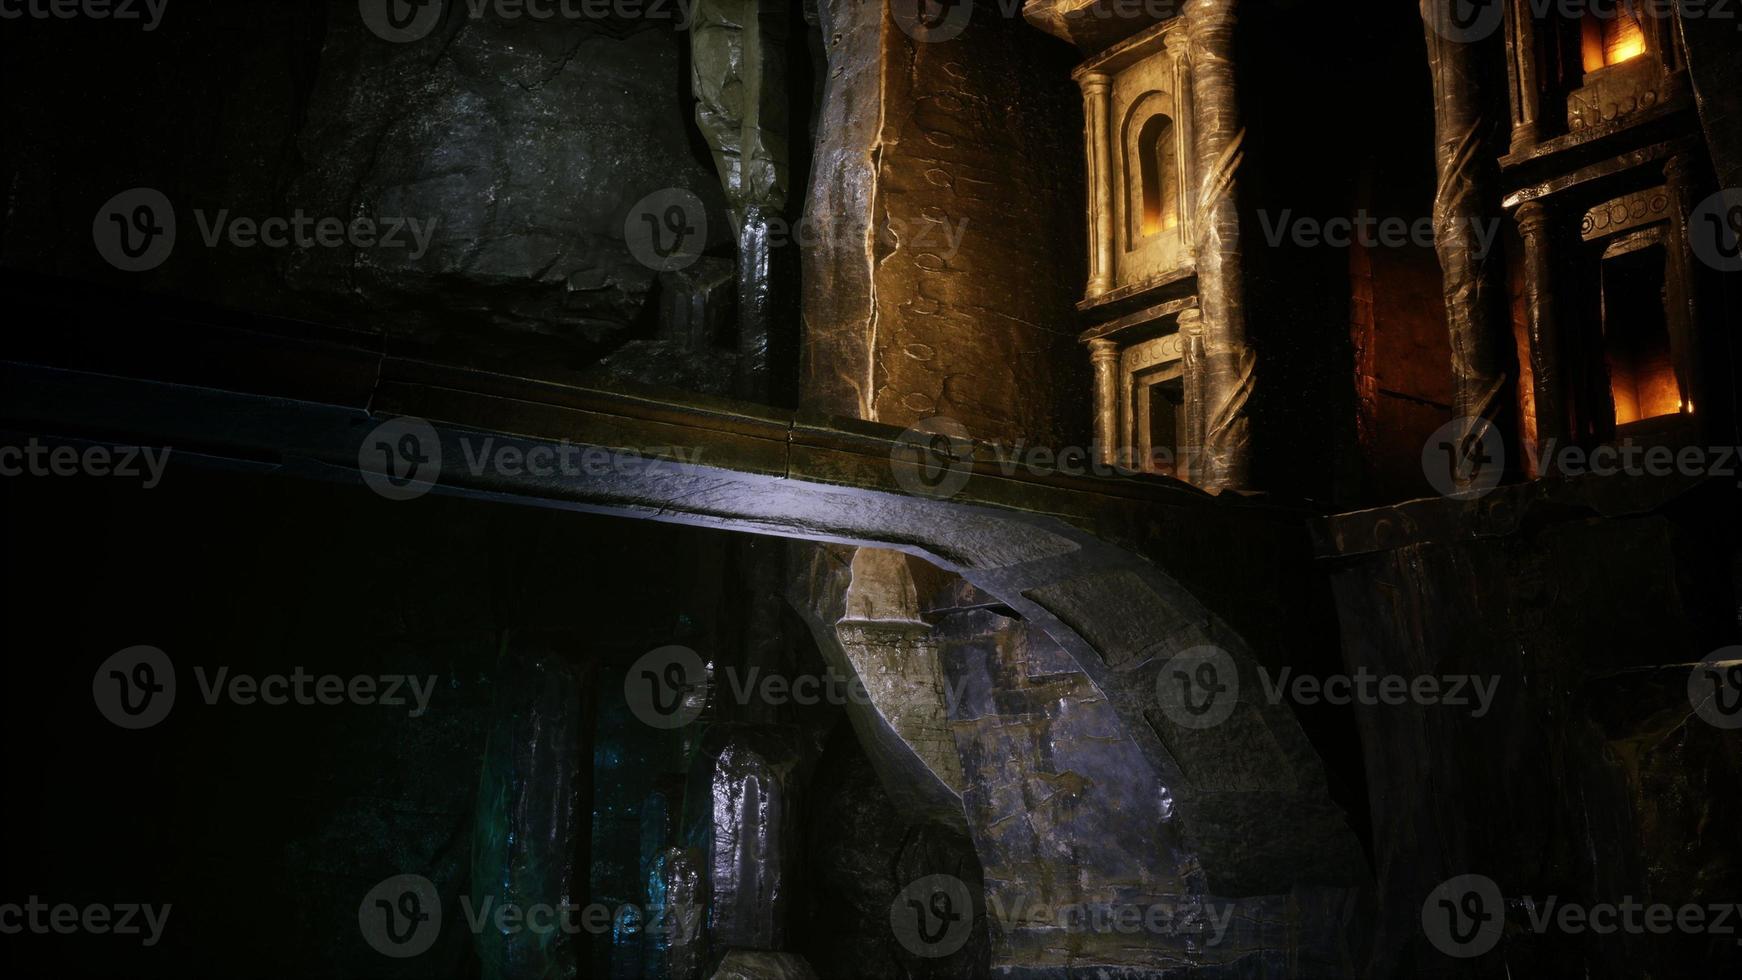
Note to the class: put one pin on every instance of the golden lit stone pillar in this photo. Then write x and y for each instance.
(1097, 94)
(1191, 332)
(1178, 48)
(1534, 224)
(1228, 363)
(1104, 356)
(1478, 323)
(1521, 69)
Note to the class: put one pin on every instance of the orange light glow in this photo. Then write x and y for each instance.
(1611, 40)
(1648, 392)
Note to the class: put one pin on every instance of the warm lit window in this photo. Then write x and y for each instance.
(1156, 164)
(1642, 378)
(1610, 40)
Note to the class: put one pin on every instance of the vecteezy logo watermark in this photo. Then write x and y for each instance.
(1206, 923)
(149, 13)
(1367, 688)
(1464, 458)
(667, 230)
(1197, 688)
(401, 917)
(121, 919)
(135, 687)
(933, 458)
(931, 21)
(134, 231)
(1464, 21)
(1464, 916)
(1715, 230)
(36, 459)
(1715, 688)
(933, 917)
(401, 458)
(667, 687)
(1366, 231)
(401, 21)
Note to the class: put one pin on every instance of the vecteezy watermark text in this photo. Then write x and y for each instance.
(669, 687)
(147, 13)
(401, 459)
(127, 462)
(119, 919)
(135, 231)
(135, 688)
(1199, 687)
(1365, 230)
(1465, 916)
(404, 21)
(402, 916)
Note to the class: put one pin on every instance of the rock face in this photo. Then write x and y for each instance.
(863, 610)
(533, 801)
(517, 147)
(1590, 776)
(945, 191)
(863, 852)
(750, 964)
(503, 134)
(741, 815)
(675, 931)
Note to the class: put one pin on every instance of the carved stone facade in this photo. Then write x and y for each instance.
(1142, 162)
(1604, 169)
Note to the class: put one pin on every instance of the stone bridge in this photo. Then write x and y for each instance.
(1094, 582)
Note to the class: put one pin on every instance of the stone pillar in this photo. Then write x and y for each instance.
(1535, 225)
(741, 817)
(1682, 301)
(1228, 363)
(1099, 159)
(1104, 356)
(532, 828)
(738, 76)
(1521, 70)
(673, 935)
(1191, 335)
(1475, 291)
(1178, 49)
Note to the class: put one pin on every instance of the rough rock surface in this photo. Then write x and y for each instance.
(944, 184)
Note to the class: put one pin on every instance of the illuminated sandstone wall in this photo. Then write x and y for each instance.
(948, 190)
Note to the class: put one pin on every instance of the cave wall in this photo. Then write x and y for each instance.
(1591, 777)
(265, 826)
(520, 146)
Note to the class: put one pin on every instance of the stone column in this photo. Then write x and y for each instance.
(1099, 158)
(1682, 301)
(1228, 362)
(1521, 70)
(1474, 287)
(1104, 356)
(1191, 333)
(1178, 48)
(1535, 225)
(738, 76)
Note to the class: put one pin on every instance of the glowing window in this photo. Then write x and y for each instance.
(1156, 166)
(1610, 40)
(1642, 377)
